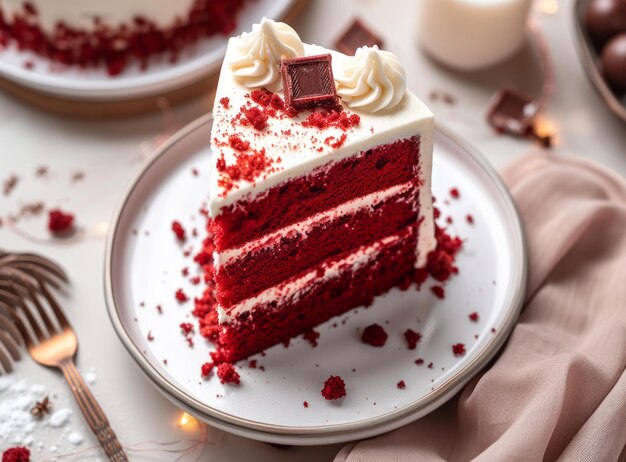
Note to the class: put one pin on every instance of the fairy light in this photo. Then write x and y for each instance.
(545, 130)
(549, 6)
(184, 419)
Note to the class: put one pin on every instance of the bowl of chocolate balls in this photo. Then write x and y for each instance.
(601, 31)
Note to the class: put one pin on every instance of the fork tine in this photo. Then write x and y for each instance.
(8, 324)
(56, 308)
(25, 335)
(32, 286)
(5, 361)
(10, 345)
(14, 300)
(37, 260)
(37, 272)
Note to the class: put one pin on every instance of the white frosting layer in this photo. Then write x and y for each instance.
(297, 156)
(302, 227)
(80, 13)
(293, 290)
(372, 80)
(255, 59)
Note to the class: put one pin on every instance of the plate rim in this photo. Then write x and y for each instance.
(332, 432)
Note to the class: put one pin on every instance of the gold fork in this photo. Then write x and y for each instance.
(51, 341)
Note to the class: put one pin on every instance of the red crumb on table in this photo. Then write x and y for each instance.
(179, 231)
(454, 193)
(334, 388)
(374, 335)
(159, 309)
(227, 373)
(225, 102)
(473, 316)
(186, 327)
(312, 335)
(17, 454)
(470, 219)
(150, 337)
(305, 404)
(401, 385)
(458, 349)
(438, 291)
(60, 222)
(206, 369)
(252, 364)
(195, 171)
(430, 365)
(419, 361)
(412, 338)
(185, 271)
(237, 143)
(181, 296)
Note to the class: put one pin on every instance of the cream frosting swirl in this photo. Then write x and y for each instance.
(258, 53)
(372, 80)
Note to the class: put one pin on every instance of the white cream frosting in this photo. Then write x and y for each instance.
(372, 80)
(293, 290)
(410, 117)
(302, 227)
(81, 13)
(255, 58)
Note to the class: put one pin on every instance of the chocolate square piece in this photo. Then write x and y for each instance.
(357, 35)
(512, 112)
(308, 81)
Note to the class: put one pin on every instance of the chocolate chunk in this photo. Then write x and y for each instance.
(357, 35)
(512, 112)
(614, 62)
(308, 81)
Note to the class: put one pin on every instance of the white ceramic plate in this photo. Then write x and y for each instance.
(94, 84)
(144, 268)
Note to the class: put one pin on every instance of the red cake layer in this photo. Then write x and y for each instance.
(115, 46)
(322, 189)
(268, 266)
(267, 325)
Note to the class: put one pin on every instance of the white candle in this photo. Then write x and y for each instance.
(472, 34)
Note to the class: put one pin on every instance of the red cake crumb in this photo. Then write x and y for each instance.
(454, 193)
(227, 373)
(150, 337)
(195, 280)
(458, 349)
(493, 330)
(430, 365)
(412, 338)
(401, 385)
(247, 167)
(312, 335)
(185, 271)
(179, 231)
(206, 369)
(252, 364)
(335, 118)
(438, 291)
(305, 404)
(237, 143)
(255, 117)
(225, 102)
(17, 454)
(159, 309)
(470, 219)
(60, 222)
(195, 171)
(186, 327)
(181, 296)
(419, 361)
(420, 276)
(203, 258)
(374, 335)
(473, 316)
(334, 388)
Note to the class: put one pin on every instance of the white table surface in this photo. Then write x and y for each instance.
(110, 152)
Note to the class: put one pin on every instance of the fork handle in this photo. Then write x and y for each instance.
(94, 414)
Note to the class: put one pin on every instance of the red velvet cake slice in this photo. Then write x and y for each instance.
(320, 193)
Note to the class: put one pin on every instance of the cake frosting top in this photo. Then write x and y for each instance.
(258, 142)
(255, 60)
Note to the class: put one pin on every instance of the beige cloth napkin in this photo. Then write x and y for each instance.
(558, 389)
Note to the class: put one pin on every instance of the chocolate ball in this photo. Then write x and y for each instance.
(614, 61)
(604, 19)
